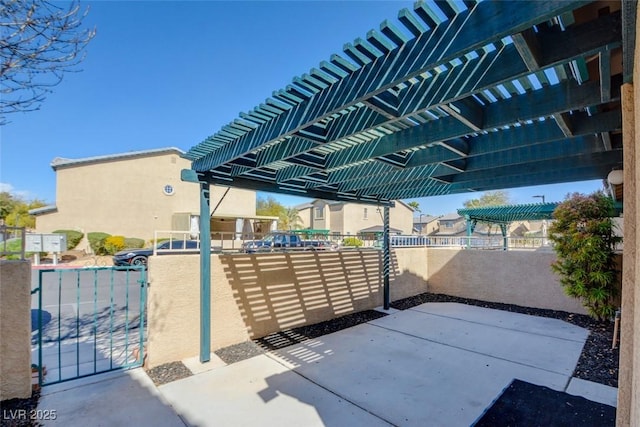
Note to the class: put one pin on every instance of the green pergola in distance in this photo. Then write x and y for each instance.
(505, 215)
(509, 213)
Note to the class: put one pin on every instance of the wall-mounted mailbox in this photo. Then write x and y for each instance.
(33, 243)
(55, 243)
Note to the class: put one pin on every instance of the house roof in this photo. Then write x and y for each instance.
(43, 210)
(454, 97)
(60, 162)
(379, 229)
(451, 216)
(425, 219)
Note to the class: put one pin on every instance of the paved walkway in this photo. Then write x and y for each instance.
(436, 364)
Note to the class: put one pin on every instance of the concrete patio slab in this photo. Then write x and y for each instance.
(593, 391)
(196, 367)
(260, 391)
(437, 364)
(505, 319)
(408, 380)
(113, 399)
(516, 343)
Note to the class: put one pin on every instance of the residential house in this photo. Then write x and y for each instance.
(425, 224)
(343, 218)
(137, 193)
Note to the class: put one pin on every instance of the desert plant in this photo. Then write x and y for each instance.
(73, 237)
(133, 243)
(584, 241)
(96, 241)
(352, 241)
(113, 244)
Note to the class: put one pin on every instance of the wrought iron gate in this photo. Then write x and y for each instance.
(86, 321)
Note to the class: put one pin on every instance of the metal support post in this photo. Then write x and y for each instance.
(205, 274)
(386, 256)
(505, 239)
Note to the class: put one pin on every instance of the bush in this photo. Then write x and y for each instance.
(352, 241)
(133, 243)
(73, 237)
(96, 241)
(584, 241)
(113, 244)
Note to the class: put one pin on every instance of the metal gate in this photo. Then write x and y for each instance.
(87, 321)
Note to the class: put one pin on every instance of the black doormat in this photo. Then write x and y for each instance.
(525, 404)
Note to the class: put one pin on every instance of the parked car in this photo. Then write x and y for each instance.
(129, 257)
(283, 240)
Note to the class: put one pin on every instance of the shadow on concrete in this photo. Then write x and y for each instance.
(116, 398)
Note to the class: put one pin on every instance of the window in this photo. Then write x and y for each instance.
(319, 212)
(366, 213)
(168, 189)
(448, 224)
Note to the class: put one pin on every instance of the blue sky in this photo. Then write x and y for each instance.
(169, 74)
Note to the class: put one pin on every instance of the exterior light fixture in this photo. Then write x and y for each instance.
(540, 197)
(615, 177)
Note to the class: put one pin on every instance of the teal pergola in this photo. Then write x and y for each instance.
(454, 96)
(503, 216)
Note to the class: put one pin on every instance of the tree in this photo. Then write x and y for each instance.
(40, 42)
(415, 205)
(7, 203)
(490, 198)
(269, 207)
(584, 241)
(14, 211)
(290, 219)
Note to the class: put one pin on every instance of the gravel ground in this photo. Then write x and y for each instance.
(597, 363)
(13, 406)
(168, 372)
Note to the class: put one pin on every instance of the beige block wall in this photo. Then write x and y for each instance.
(255, 295)
(173, 303)
(15, 329)
(512, 277)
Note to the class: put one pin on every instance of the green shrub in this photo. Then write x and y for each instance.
(113, 244)
(352, 241)
(96, 241)
(73, 237)
(133, 243)
(584, 241)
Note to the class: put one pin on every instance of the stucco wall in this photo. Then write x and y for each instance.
(15, 329)
(254, 295)
(125, 197)
(512, 277)
(628, 413)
